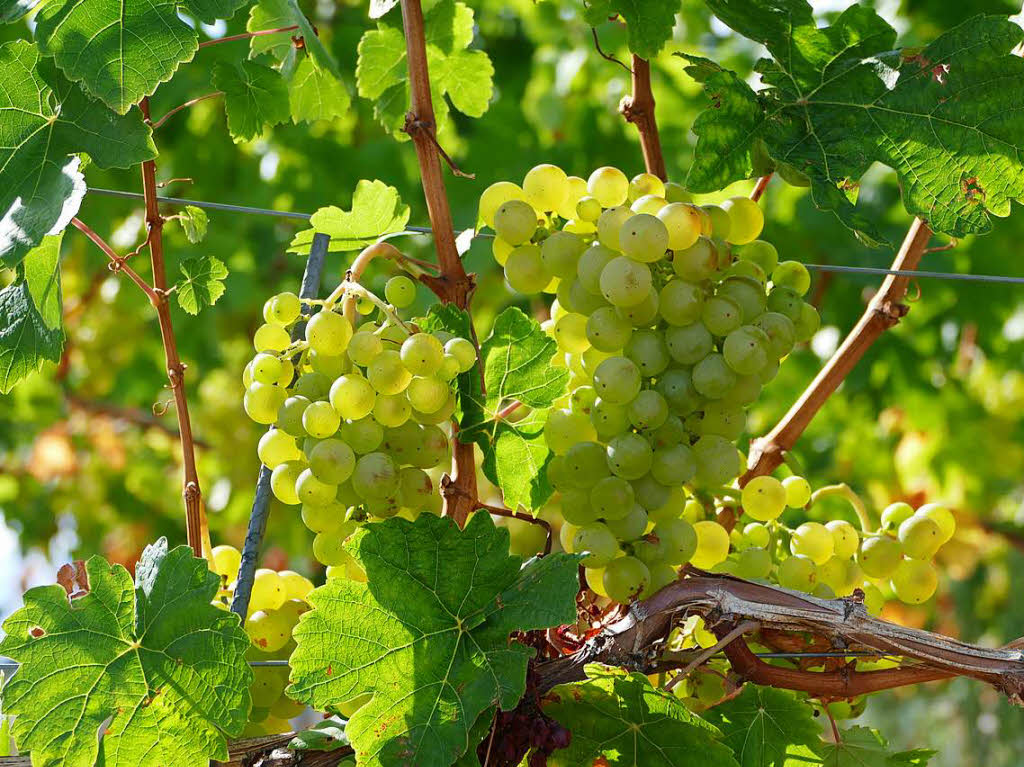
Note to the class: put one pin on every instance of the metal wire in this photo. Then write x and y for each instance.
(842, 269)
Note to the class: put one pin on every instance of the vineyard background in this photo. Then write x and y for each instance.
(934, 411)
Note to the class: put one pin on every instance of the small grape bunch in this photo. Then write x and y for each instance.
(360, 413)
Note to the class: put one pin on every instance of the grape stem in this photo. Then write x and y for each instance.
(847, 493)
(762, 184)
(638, 109)
(883, 312)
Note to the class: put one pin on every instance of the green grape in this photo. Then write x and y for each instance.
(606, 330)
(271, 338)
(546, 187)
(415, 487)
(914, 581)
(609, 186)
(814, 541)
(642, 314)
(383, 508)
(753, 564)
(721, 221)
(921, 537)
(644, 184)
(679, 540)
(433, 448)
(749, 295)
(879, 556)
(648, 410)
(328, 333)
(576, 508)
(387, 374)
(463, 351)
(501, 250)
(267, 591)
(312, 386)
(797, 573)
(585, 464)
(617, 380)
(649, 203)
(320, 420)
(629, 456)
(764, 498)
(792, 275)
(328, 549)
(400, 291)
(594, 577)
(745, 391)
(721, 315)
(650, 493)
(661, 575)
(578, 299)
(676, 386)
(625, 579)
(268, 630)
(712, 545)
(564, 428)
(375, 477)
(363, 435)
(590, 265)
(697, 262)
(495, 196)
(289, 416)
(746, 217)
(441, 416)
(895, 514)
(327, 518)
(609, 225)
(285, 708)
(680, 302)
(266, 368)
(676, 192)
(723, 419)
(588, 209)
(747, 270)
(807, 323)
(598, 542)
(674, 465)
(262, 401)
(745, 350)
(282, 309)
(515, 221)
(352, 396)
(688, 344)
(669, 434)
(761, 253)
(427, 393)
(609, 419)
(756, 535)
(582, 399)
(643, 237)
(403, 442)
(332, 461)
(631, 526)
(625, 282)
(841, 574)
(277, 447)
(647, 350)
(332, 367)
(449, 367)
(421, 354)
(718, 460)
(313, 491)
(391, 410)
(941, 516)
(225, 561)
(786, 302)
(561, 253)
(611, 498)
(844, 538)
(682, 221)
(524, 270)
(363, 347)
(713, 377)
(570, 332)
(282, 481)
(781, 333)
(798, 492)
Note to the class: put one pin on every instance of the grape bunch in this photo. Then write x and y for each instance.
(360, 414)
(671, 318)
(275, 604)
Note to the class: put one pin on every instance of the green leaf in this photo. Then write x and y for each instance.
(763, 724)
(427, 635)
(313, 94)
(121, 52)
(274, 14)
(859, 747)
(12, 10)
(464, 76)
(617, 717)
(649, 23)
(839, 98)
(327, 735)
(45, 119)
(377, 210)
(517, 366)
(30, 315)
(156, 658)
(480, 730)
(254, 96)
(202, 283)
(194, 223)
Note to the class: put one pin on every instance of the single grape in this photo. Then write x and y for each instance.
(669, 434)
(745, 350)
(312, 490)
(724, 419)
(721, 221)
(718, 460)
(352, 396)
(680, 302)
(625, 282)
(328, 333)
(332, 461)
(682, 221)
(606, 330)
(650, 493)
(415, 487)
(688, 344)
(647, 350)
(391, 410)
(427, 393)
(674, 465)
(792, 275)
(625, 578)
(698, 261)
(643, 237)
(642, 314)
(282, 481)
(326, 518)
(629, 456)
(914, 581)
(595, 580)
(375, 476)
(225, 560)
(753, 564)
(262, 401)
(266, 368)
(844, 537)
(328, 549)
(609, 419)
(611, 498)
(546, 187)
(747, 220)
(712, 545)
(565, 428)
(267, 590)
(749, 295)
(747, 270)
(609, 186)
(363, 435)
(271, 338)
(679, 539)
(400, 291)
(841, 574)
(941, 516)
(495, 196)
(921, 537)
(807, 323)
(798, 491)
(895, 514)
(320, 420)
(756, 535)
(332, 367)
(277, 447)
(661, 575)
(713, 377)
(781, 333)
(874, 599)
(786, 302)
(421, 354)
(721, 315)
(387, 373)
(610, 224)
(761, 253)
(814, 541)
(363, 347)
(764, 498)
(463, 351)
(585, 464)
(588, 209)
(648, 410)
(879, 556)
(282, 309)
(617, 380)
(525, 270)
(797, 573)
(631, 526)
(598, 542)
(649, 203)
(561, 254)
(590, 265)
(515, 221)
(268, 630)
(570, 332)
(676, 386)
(643, 184)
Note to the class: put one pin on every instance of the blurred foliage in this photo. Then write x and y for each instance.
(935, 410)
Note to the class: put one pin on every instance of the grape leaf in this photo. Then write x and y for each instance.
(865, 747)
(839, 98)
(465, 76)
(762, 724)
(377, 210)
(120, 52)
(427, 635)
(30, 315)
(254, 96)
(202, 283)
(327, 735)
(517, 366)
(477, 734)
(162, 663)
(313, 94)
(275, 14)
(45, 118)
(194, 223)
(12, 10)
(649, 23)
(618, 715)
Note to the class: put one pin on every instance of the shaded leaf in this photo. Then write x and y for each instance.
(156, 658)
(427, 636)
(194, 223)
(12, 10)
(327, 735)
(45, 119)
(255, 96)
(865, 747)
(275, 14)
(121, 52)
(618, 717)
(202, 283)
(376, 210)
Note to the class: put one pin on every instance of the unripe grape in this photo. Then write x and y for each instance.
(225, 561)
(612, 498)
(844, 538)
(724, 419)
(609, 225)
(328, 333)
(674, 465)
(364, 347)
(718, 460)
(617, 380)
(941, 516)
(689, 344)
(712, 545)
(643, 237)
(515, 221)
(807, 323)
(546, 187)
(748, 293)
(764, 498)
(661, 575)
(631, 526)
(895, 514)
(914, 581)
(920, 537)
(495, 196)
(797, 573)
(525, 271)
(276, 447)
(629, 456)
(792, 275)
(607, 331)
(585, 464)
(332, 367)
(266, 368)
(625, 578)
(745, 350)
(753, 564)
(680, 302)
(747, 220)
(721, 315)
(679, 540)
(787, 302)
(422, 354)
(282, 481)
(598, 542)
(609, 419)
(650, 493)
(761, 253)
(609, 185)
(781, 333)
(647, 350)
(879, 556)
(400, 291)
(756, 535)
(648, 410)
(271, 338)
(814, 541)
(320, 420)
(320, 519)
(712, 377)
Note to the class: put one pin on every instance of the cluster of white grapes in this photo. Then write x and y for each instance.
(671, 317)
(275, 604)
(360, 414)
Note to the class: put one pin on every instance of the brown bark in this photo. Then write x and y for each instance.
(639, 110)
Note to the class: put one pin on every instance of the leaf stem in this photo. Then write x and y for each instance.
(762, 184)
(639, 110)
(186, 105)
(117, 263)
(247, 35)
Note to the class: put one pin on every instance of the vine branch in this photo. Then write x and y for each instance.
(639, 110)
(883, 312)
(191, 102)
(452, 285)
(247, 35)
